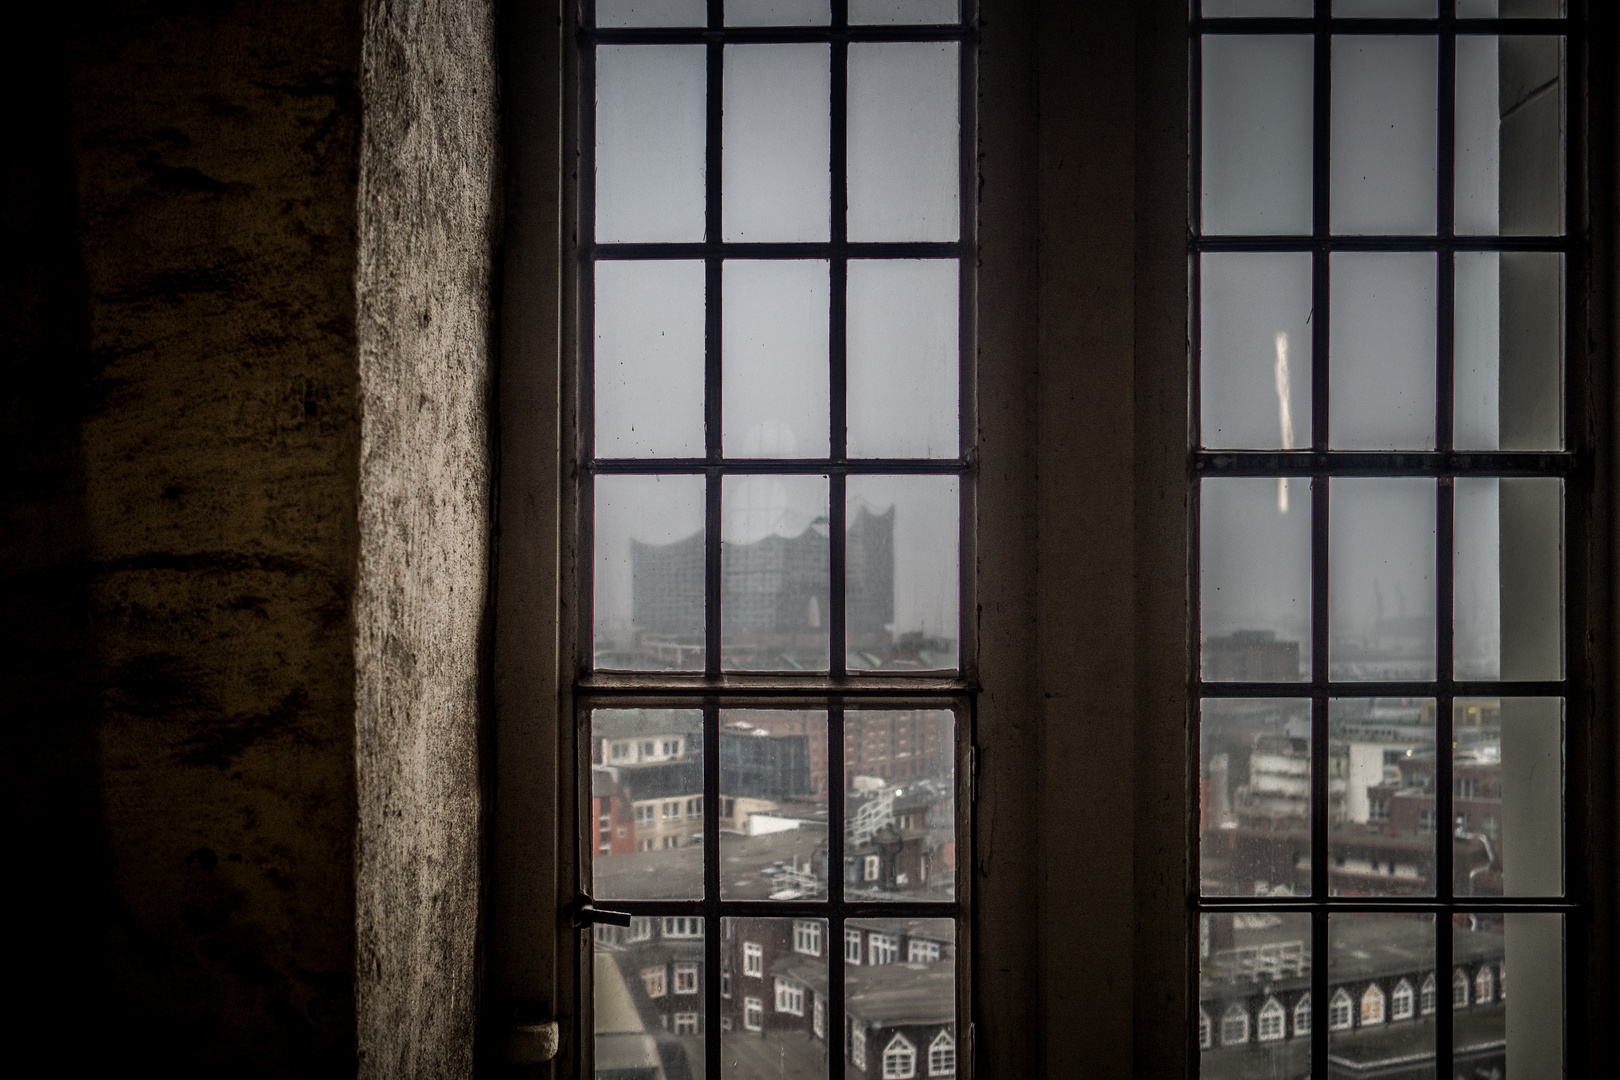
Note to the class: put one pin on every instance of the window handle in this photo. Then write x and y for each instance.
(588, 914)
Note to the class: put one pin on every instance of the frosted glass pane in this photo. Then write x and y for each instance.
(1509, 350)
(1510, 9)
(649, 359)
(1255, 579)
(894, 12)
(776, 136)
(1297, 9)
(1379, 842)
(902, 574)
(649, 572)
(1509, 136)
(1385, 95)
(1381, 555)
(774, 358)
(617, 13)
(1509, 570)
(646, 797)
(649, 143)
(773, 786)
(1254, 836)
(1385, 9)
(1479, 142)
(904, 136)
(902, 358)
(1507, 796)
(778, 12)
(1257, 134)
(1382, 351)
(1255, 352)
(774, 565)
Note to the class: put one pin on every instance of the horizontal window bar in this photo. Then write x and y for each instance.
(1283, 25)
(877, 684)
(1381, 463)
(1282, 243)
(1362, 689)
(1337, 905)
(788, 909)
(699, 249)
(771, 35)
(812, 466)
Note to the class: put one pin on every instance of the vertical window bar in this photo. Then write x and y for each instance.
(585, 322)
(837, 338)
(712, 1049)
(1319, 987)
(835, 885)
(713, 386)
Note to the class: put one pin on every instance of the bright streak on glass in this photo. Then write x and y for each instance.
(1245, 300)
(1257, 124)
(1285, 418)
(649, 359)
(649, 143)
(774, 358)
(776, 136)
(1385, 110)
(904, 127)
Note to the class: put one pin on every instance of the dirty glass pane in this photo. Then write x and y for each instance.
(1385, 106)
(1507, 797)
(1509, 350)
(776, 138)
(895, 12)
(1255, 579)
(648, 989)
(902, 340)
(622, 13)
(1492, 952)
(902, 574)
(1289, 9)
(773, 998)
(1381, 559)
(1381, 339)
(649, 598)
(1509, 577)
(778, 12)
(904, 122)
(650, 126)
(1254, 814)
(1255, 352)
(1381, 997)
(1254, 994)
(774, 358)
(647, 804)
(1510, 9)
(648, 361)
(774, 567)
(900, 998)
(1381, 819)
(1510, 167)
(899, 804)
(773, 804)
(1257, 125)
(1384, 9)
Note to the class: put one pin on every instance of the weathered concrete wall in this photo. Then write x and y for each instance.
(427, 226)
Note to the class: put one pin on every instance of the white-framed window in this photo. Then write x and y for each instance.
(1206, 1030)
(1372, 1005)
(852, 946)
(725, 984)
(942, 1055)
(686, 978)
(1427, 995)
(1272, 1023)
(921, 952)
(870, 866)
(604, 933)
(818, 1017)
(754, 959)
(1302, 1016)
(857, 1043)
(753, 1014)
(725, 1023)
(789, 997)
(899, 1059)
(1459, 989)
(686, 1023)
(807, 937)
(683, 926)
(1401, 1001)
(656, 980)
(1484, 985)
(883, 948)
(1234, 1025)
(641, 929)
(1341, 1011)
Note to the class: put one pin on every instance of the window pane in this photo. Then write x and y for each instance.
(773, 804)
(1376, 963)
(1297, 9)
(900, 1005)
(902, 573)
(1524, 951)
(904, 126)
(617, 13)
(1255, 358)
(1508, 802)
(650, 102)
(1385, 95)
(647, 804)
(649, 359)
(774, 358)
(1381, 822)
(776, 136)
(1384, 9)
(893, 12)
(649, 572)
(769, 1021)
(902, 337)
(1255, 579)
(899, 804)
(1381, 560)
(774, 569)
(1515, 9)
(1257, 127)
(1509, 350)
(1381, 340)
(1254, 821)
(645, 1026)
(1509, 576)
(778, 12)
(1509, 136)
(1254, 995)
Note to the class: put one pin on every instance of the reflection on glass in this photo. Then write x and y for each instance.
(1507, 797)
(774, 357)
(648, 994)
(1254, 821)
(1385, 99)
(1381, 808)
(649, 572)
(649, 142)
(1382, 344)
(1491, 953)
(1381, 559)
(899, 804)
(773, 998)
(901, 609)
(894, 12)
(1255, 579)
(775, 135)
(1257, 134)
(1509, 136)
(1509, 573)
(1254, 994)
(903, 141)
(778, 12)
(902, 358)
(1509, 351)
(648, 362)
(647, 804)
(1382, 993)
(774, 568)
(1255, 353)
(621, 13)
(773, 804)
(900, 997)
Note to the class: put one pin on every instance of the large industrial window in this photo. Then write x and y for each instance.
(774, 424)
(1382, 473)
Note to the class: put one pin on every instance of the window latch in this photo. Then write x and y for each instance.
(588, 914)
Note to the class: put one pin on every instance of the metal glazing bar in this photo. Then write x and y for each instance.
(813, 249)
(1459, 688)
(786, 909)
(774, 35)
(1378, 243)
(815, 466)
(773, 684)
(1284, 25)
(1385, 463)
(1476, 905)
